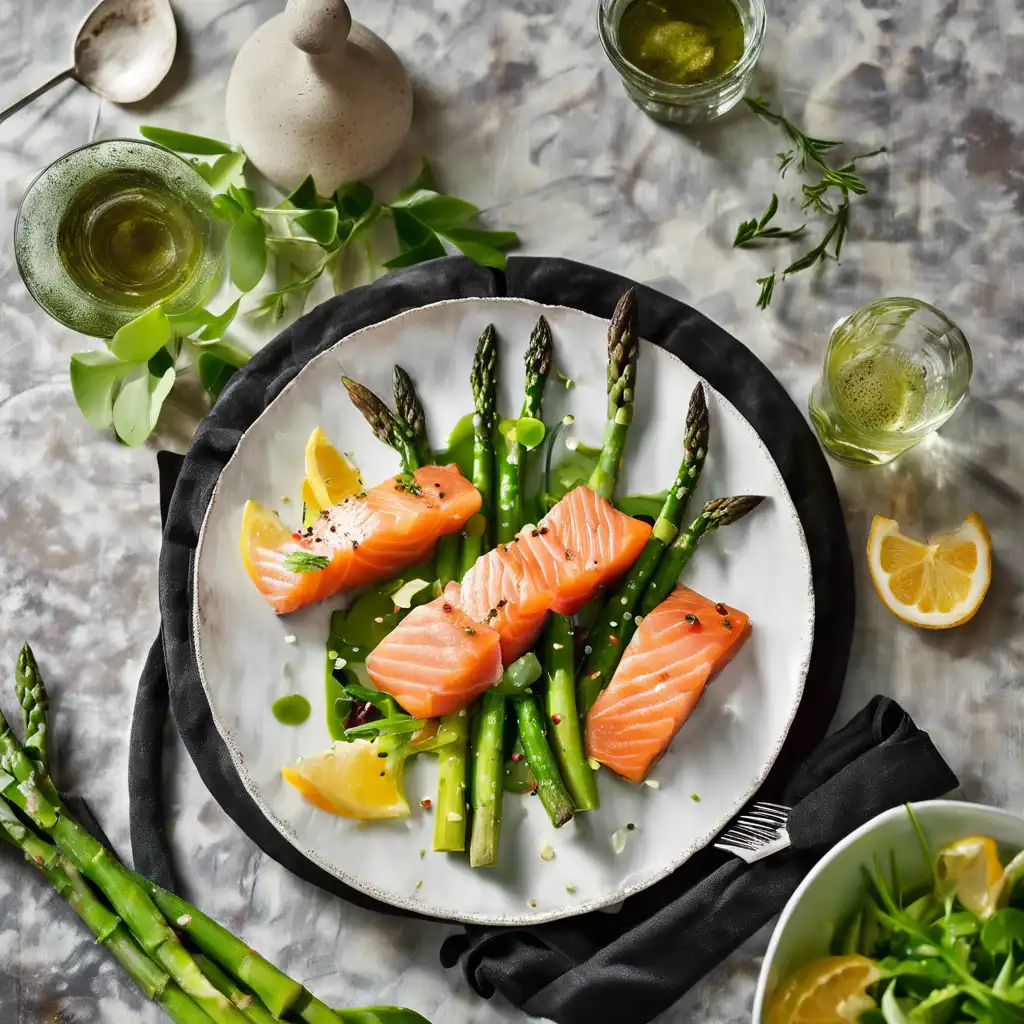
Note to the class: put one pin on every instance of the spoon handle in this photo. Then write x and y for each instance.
(36, 93)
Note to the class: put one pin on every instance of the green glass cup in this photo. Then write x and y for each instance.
(894, 372)
(114, 228)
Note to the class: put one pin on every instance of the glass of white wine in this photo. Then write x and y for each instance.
(895, 371)
(113, 228)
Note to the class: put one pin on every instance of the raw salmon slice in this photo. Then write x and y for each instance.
(661, 677)
(438, 660)
(596, 544)
(367, 538)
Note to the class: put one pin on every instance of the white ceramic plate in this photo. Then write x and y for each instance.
(760, 565)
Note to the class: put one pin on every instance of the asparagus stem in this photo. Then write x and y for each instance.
(313, 1011)
(35, 706)
(716, 513)
(451, 811)
(553, 794)
(623, 350)
(487, 783)
(411, 414)
(251, 1007)
(277, 991)
(484, 380)
(384, 424)
(519, 676)
(538, 366)
(446, 560)
(566, 736)
(153, 982)
(614, 627)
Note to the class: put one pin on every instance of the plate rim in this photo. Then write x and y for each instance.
(415, 904)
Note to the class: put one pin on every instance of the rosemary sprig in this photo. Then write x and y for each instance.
(808, 153)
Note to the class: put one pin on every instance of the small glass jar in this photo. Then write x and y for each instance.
(693, 103)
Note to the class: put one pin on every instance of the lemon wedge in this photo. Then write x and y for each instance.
(970, 868)
(935, 584)
(832, 990)
(331, 477)
(261, 531)
(355, 780)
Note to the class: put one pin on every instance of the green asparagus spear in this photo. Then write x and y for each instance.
(277, 991)
(97, 864)
(35, 706)
(253, 1009)
(383, 422)
(487, 784)
(451, 811)
(716, 513)
(153, 982)
(538, 365)
(623, 349)
(566, 737)
(484, 380)
(553, 794)
(411, 414)
(614, 627)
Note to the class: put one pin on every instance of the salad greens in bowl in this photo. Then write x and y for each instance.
(915, 918)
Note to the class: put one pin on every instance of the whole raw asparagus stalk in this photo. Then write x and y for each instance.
(251, 1007)
(131, 903)
(552, 792)
(716, 513)
(484, 381)
(614, 627)
(410, 413)
(153, 982)
(566, 737)
(35, 706)
(623, 350)
(452, 768)
(384, 424)
(487, 781)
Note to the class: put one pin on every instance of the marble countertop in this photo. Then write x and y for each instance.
(520, 112)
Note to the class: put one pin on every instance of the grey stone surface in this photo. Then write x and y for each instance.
(520, 113)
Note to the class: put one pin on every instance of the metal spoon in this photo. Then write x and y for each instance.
(123, 51)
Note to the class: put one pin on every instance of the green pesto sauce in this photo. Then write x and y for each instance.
(682, 41)
(291, 710)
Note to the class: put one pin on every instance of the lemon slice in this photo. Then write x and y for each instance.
(970, 868)
(331, 477)
(935, 584)
(353, 780)
(261, 531)
(832, 990)
(310, 506)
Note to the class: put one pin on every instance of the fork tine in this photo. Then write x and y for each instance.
(781, 808)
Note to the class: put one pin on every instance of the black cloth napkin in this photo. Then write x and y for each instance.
(632, 965)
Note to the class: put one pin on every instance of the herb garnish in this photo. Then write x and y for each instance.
(809, 154)
(303, 561)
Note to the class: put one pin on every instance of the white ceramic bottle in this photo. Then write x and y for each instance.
(312, 92)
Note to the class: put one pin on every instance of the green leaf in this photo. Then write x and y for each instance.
(429, 250)
(138, 403)
(479, 252)
(214, 373)
(143, 337)
(381, 1015)
(225, 208)
(436, 210)
(222, 171)
(361, 226)
(305, 197)
(321, 225)
(245, 197)
(184, 325)
(224, 351)
(495, 239)
(215, 326)
(247, 252)
(412, 233)
(160, 362)
(641, 504)
(424, 180)
(1001, 932)
(354, 199)
(184, 142)
(94, 378)
(891, 1009)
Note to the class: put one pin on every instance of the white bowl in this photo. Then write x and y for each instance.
(833, 890)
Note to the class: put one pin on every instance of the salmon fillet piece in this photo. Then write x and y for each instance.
(661, 676)
(438, 660)
(368, 538)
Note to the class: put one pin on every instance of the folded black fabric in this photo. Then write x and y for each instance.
(632, 965)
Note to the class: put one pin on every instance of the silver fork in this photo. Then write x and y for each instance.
(757, 834)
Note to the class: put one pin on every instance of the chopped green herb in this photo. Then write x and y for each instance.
(303, 561)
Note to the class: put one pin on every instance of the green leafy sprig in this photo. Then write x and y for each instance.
(810, 155)
(125, 385)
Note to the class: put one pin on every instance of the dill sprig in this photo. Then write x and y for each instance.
(829, 196)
